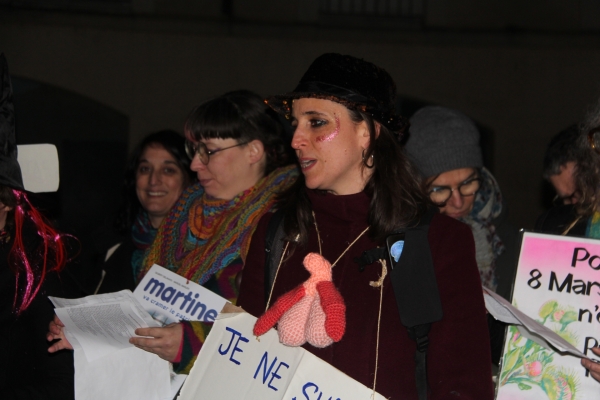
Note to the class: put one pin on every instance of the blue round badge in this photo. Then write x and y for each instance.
(396, 250)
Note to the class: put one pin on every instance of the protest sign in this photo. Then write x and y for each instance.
(557, 284)
(234, 364)
(169, 297)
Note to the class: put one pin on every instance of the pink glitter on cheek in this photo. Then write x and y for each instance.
(332, 135)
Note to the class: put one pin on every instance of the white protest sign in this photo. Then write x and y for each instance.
(234, 364)
(558, 285)
(169, 297)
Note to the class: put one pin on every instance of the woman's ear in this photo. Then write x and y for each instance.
(377, 129)
(365, 134)
(256, 151)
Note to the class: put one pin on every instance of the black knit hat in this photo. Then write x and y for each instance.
(357, 84)
(10, 171)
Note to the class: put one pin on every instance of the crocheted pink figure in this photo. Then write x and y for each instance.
(313, 312)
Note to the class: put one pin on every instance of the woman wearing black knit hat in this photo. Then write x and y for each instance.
(357, 190)
(341, 221)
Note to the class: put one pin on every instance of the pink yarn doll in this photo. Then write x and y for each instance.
(313, 312)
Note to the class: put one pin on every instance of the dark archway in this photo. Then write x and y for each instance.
(91, 139)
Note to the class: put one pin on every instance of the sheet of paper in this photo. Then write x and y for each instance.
(502, 310)
(102, 324)
(106, 365)
(177, 381)
(102, 328)
(129, 373)
(98, 299)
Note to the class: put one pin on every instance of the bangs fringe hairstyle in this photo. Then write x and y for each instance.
(241, 115)
(397, 197)
(30, 267)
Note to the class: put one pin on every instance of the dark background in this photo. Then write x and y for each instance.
(95, 76)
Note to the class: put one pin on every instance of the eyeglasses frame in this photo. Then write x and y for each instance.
(195, 146)
(465, 182)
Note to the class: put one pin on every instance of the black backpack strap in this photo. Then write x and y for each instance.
(416, 292)
(273, 249)
(413, 277)
(419, 335)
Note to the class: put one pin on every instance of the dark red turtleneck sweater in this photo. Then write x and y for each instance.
(459, 363)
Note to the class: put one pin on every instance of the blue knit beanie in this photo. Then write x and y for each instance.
(442, 140)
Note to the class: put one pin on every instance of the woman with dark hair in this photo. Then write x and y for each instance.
(157, 173)
(32, 254)
(355, 191)
(237, 148)
(357, 188)
(580, 218)
(444, 145)
(238, 151)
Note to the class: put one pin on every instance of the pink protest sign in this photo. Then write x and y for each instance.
(558, 284)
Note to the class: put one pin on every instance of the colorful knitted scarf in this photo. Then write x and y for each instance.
(142, 234)
(488, 246)
(202, 235)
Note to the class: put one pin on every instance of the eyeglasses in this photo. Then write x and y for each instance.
(594, 139)
(193, 148)
(441, 194)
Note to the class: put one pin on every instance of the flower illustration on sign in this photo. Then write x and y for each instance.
(528, 364)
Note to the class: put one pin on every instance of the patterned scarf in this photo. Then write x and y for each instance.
(142, 234)
(202, 235)
(488, 246)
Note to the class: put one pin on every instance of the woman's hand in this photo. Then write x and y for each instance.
(55, 331)
(593, 367)
(164, 342)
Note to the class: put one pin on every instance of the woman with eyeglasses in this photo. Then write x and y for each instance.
(356, 189)
(444, 144)
(237, 147)
(238, 150)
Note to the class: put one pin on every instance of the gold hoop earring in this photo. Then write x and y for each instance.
(365, 160)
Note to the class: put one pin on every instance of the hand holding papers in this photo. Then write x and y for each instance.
(164, 342)
(106, 364)
(102, 324)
